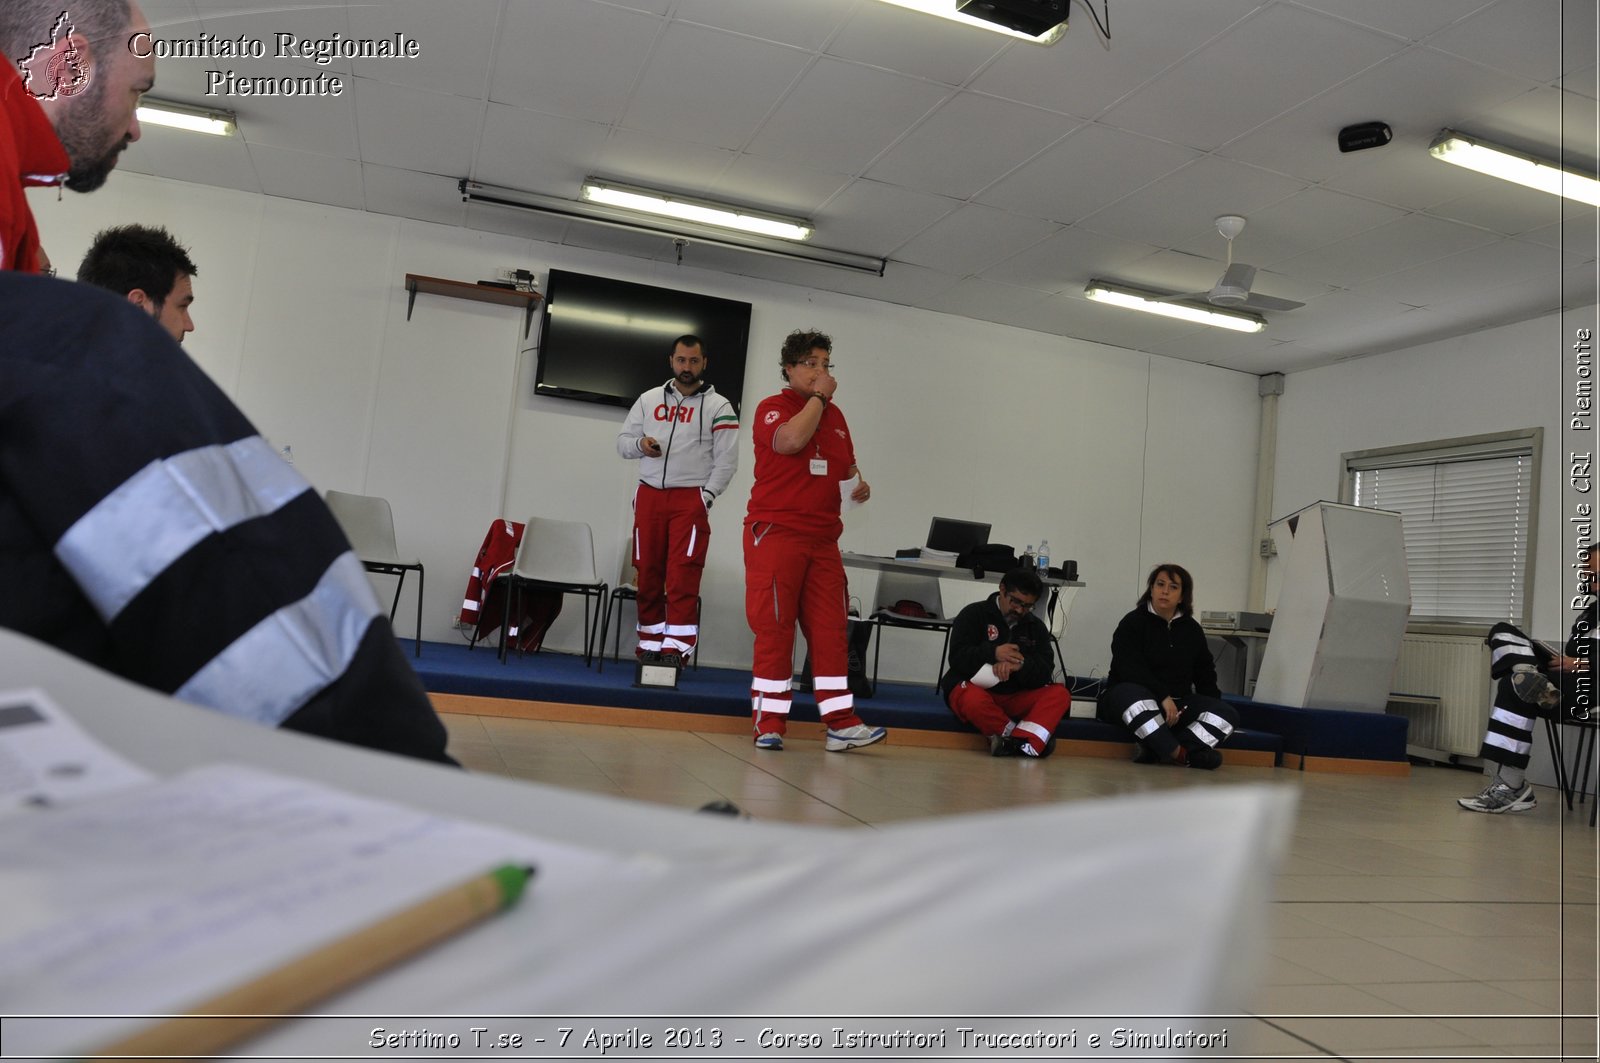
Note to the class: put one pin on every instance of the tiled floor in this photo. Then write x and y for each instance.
(1404, 928)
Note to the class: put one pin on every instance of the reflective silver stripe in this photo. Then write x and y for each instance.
(136, 532)
(1029, 727)
(766, 703)
(1520, 748)
(284, 661)
(1211, 719)
(838, 682)
(1142, 708)
(1202, 734)
(694, 534)
(683, 648)
(652, 629)
(682, 629)
(1506, 716)
(469, 605)
(843, 700)
(772, 686)
(1514, 649)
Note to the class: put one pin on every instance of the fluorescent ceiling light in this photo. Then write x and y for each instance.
(947, 9)
(1151, 303)
(182, 116)
(667, 205)
(1514, 166)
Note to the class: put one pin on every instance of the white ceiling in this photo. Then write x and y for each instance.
(997, 177)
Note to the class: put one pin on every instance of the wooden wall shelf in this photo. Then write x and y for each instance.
(478, 293)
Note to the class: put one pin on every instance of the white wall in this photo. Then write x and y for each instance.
(1513, 377)
(1120, 458)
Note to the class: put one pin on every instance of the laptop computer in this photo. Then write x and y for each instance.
(947, 535)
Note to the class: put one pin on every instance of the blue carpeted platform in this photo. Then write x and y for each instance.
(563, 678)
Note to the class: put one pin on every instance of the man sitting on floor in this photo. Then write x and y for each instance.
(1000, 670)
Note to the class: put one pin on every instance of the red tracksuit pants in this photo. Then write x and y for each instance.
(670, 531)
(1029, 715)
(789, 578)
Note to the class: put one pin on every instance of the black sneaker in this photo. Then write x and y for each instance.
(1143, 754)
(1004, 746)
(1205, 758)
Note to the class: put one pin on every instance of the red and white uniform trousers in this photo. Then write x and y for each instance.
(671, 529)
(791, 577)
(1030, 716)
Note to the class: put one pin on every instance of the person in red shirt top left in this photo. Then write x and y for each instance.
(69, 88)
(792, 569)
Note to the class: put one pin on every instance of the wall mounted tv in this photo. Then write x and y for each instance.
(608, 341)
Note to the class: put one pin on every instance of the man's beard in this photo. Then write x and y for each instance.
(78, 132)
(688, 379)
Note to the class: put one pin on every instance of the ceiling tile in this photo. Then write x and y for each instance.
(1081, 75)
(1413, 20)
(541, 64)
(1416, 93)
(221, 161)
(807, 25)
(1067, 261)
(678, 96)
(1306, 220)
(306, 176)
(537, 152)
(1094, 166)
(874, 219)
(1478, 271)
(661, 162)
(985, 300)
(408, 194)
(388, 115)
(1177, 211)
(1503, 208)
(1407, 242)
(785, 187)
(1575, 233)
(1545, 122)
(973, 237)
(810, 122)
(1247, 77)
(1215, 346)
(1404, 175)
(909, 42)
(968, 144)
(1523, 37)
(286, 32)
(455, 43)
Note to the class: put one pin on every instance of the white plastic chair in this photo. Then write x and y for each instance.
(557, 555)
(368, 523)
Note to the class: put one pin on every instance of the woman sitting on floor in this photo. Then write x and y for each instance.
(1163, 681)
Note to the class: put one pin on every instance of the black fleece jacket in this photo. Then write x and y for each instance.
(1166, 659)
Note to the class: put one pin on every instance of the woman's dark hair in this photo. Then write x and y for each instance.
(1179, 573)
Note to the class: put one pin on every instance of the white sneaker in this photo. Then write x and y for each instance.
(1498, 797)
(853, 737)
(770, 740)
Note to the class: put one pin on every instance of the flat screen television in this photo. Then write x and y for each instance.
(608, 340)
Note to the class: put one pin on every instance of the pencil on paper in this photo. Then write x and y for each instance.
(248, 1009)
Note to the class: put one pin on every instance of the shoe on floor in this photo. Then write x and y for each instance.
(1205, 758)
(1004, 746)
(770, 740)
(1498, 797)
(1143, 754)
(853, 737)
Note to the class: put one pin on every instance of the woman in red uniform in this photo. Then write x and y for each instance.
(792, 569)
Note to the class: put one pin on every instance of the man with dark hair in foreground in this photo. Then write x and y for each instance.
(149, 268)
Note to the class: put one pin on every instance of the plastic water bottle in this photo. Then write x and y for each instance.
(1027, 556)
(1043, 559)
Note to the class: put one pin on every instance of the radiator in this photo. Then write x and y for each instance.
(1454, 669)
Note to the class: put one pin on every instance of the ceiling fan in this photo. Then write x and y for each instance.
(1232, 289)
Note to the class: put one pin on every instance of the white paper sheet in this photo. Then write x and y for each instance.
(162, 896)
(46, 759)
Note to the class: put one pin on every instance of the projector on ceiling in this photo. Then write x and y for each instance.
(1033, 17)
